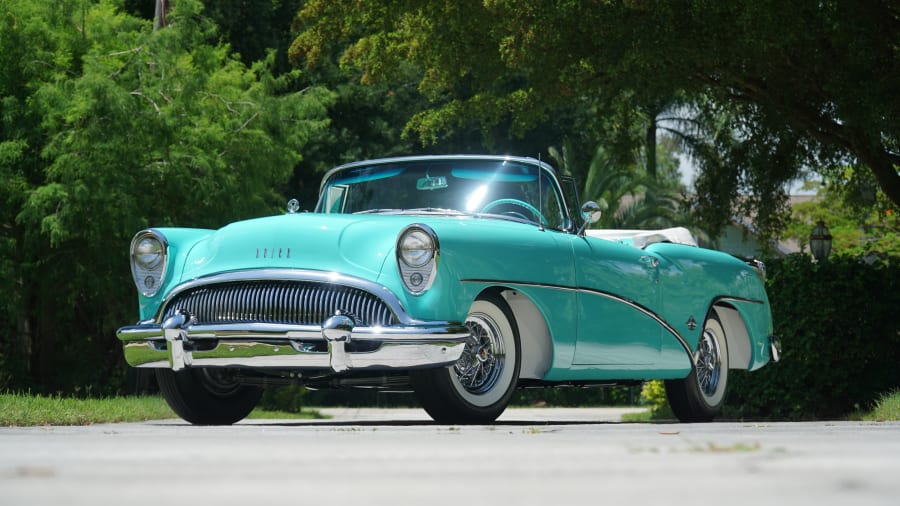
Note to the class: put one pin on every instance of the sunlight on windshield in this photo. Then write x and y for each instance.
(474, 203)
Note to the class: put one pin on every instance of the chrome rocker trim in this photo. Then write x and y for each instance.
(178, 344)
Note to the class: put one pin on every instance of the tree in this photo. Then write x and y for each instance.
(871, 231)
(803, 84)
(120, 128)
(629, 196)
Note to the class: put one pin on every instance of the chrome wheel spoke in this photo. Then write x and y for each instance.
(483, 359)
(708, 363)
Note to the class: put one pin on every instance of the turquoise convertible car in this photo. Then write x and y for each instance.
(459, 278)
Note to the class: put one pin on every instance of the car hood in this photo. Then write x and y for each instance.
(350, 244)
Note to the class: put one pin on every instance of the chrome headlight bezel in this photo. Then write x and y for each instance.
(418, 252)
(149, 255)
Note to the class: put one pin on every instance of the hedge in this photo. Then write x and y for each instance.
(838, 322)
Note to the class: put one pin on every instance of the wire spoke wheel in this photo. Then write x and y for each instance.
(483, 360)
(700, 396)
(708, 363)
(477, 388)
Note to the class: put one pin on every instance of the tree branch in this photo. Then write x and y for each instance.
(145, 97)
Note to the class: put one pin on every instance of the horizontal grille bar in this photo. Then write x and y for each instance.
(285, 302)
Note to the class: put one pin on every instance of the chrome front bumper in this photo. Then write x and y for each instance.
(178, 344)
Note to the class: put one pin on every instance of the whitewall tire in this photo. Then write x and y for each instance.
(479, 386)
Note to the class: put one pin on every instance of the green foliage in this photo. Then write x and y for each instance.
(886, 409)
(726, 71)
(653, 394)
(629, 197)
(858, 229)
(840, 336)
(110, 127)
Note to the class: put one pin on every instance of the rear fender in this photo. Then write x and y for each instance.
(736, 335)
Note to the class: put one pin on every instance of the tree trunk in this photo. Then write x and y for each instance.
(885, 167)
(651, 147)
(159, 18)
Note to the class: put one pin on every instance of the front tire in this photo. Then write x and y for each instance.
(700, 396)
(207, 396)
(479, 386)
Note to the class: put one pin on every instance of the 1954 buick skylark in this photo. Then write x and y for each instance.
(456, 277)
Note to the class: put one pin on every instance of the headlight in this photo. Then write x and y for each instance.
(417, 255)
(416, 248)
(148, 253)
(148, 261)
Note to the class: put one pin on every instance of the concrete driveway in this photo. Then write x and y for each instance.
(398, 457)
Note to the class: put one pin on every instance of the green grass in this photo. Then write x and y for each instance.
(20, 410)
(27, 409)
(886, 410)
(642, 417)
(305, 414)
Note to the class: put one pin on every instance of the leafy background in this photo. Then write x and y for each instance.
(840, 335)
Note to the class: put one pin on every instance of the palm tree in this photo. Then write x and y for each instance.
(629, 197)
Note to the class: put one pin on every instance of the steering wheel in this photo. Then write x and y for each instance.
(516, 202)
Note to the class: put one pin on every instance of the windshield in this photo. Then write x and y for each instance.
(500, 188)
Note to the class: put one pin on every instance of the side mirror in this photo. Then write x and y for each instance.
(590, 213)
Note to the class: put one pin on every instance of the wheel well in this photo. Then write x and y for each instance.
(736, 335)
(534, 335)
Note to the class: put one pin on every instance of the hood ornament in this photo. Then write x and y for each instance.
(293, 206)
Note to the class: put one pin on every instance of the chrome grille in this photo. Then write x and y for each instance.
(285, 302)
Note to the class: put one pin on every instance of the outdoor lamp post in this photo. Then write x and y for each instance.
(820, 242)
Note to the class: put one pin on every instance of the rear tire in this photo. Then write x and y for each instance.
(479, 386)
(700, 396)
(207, 396)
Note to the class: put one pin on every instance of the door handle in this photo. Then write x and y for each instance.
(649, 261)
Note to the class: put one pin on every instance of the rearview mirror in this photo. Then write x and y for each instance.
(431, 183)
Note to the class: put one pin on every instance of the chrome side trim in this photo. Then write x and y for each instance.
(646, 311)
(600, 293)
(736, 299)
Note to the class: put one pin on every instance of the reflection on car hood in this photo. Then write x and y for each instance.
(353, 245)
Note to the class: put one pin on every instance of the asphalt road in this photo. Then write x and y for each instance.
(531, 457)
